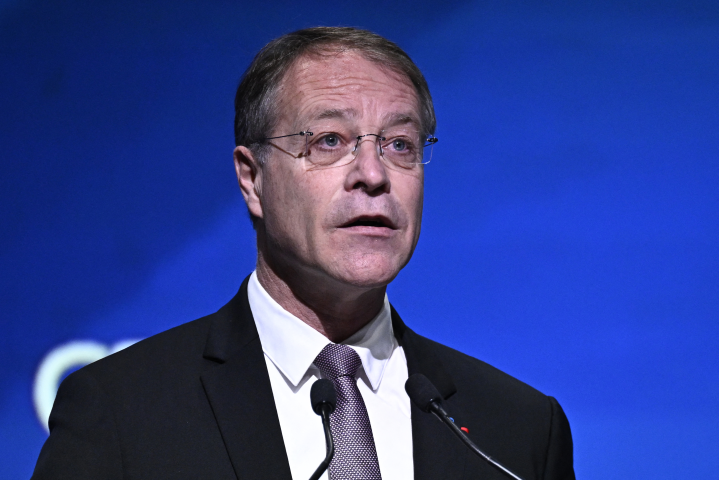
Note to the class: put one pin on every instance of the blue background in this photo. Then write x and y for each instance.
(571, 207)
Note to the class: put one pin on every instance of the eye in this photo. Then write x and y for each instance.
(330, 140)
(399, 145)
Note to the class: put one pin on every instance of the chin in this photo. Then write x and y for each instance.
(370, 272)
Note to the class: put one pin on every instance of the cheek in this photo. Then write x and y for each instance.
(411, 192)
(295, 203)
(419, 199)
(280, 204)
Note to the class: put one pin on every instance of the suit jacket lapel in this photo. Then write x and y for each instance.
(437, 452)
(238, 388)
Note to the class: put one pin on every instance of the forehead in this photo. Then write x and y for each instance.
(345, 85)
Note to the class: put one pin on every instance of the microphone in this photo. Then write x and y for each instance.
(324, 399)
(428, 399)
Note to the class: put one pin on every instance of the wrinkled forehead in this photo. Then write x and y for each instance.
(338, 85)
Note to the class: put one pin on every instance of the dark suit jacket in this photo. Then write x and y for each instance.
(195, 402)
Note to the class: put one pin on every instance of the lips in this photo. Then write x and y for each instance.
(377, 221)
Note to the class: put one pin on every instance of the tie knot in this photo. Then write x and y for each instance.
(338, 360)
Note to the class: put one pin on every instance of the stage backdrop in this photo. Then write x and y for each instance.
(571, 213)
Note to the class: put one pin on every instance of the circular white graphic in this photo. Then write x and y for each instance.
(59, 361)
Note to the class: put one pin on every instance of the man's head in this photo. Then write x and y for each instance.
(355, 220)
(256, 108)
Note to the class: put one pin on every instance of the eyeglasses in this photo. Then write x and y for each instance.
(400, 147)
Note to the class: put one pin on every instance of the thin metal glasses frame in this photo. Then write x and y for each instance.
(430, 141)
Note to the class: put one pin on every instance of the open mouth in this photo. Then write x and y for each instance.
(369, 221)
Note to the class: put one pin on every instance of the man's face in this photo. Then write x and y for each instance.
(358, 223)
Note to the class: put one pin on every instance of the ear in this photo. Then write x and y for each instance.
(249, 177)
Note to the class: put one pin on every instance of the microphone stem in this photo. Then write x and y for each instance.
(325, 414)
(442, 415)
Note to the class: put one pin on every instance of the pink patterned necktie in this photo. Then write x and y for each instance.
(355, 453)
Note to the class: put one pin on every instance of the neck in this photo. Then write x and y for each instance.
(334, 309)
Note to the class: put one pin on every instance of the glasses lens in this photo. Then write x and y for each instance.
(428, 148)
(330, 147)
(402, 147)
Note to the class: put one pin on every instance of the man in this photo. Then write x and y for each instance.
(331, 127)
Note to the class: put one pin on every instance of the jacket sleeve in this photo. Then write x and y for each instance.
(560, 456)
(83, 441)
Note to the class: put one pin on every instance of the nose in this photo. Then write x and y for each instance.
(368, 172)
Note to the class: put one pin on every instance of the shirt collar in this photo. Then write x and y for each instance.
(292, 345)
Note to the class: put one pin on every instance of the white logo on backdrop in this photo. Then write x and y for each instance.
(58, 362)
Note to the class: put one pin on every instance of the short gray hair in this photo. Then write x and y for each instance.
(256, 102)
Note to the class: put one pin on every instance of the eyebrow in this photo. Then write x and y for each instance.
(395, 119)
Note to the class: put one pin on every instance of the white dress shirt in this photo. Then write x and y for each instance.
(290, 347)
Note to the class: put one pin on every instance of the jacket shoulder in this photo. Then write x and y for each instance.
(518, 424)
(139, 413)
(469, 372)
(173, 350)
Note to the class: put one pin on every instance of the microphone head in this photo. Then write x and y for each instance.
(323, 392)
(422, 392)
